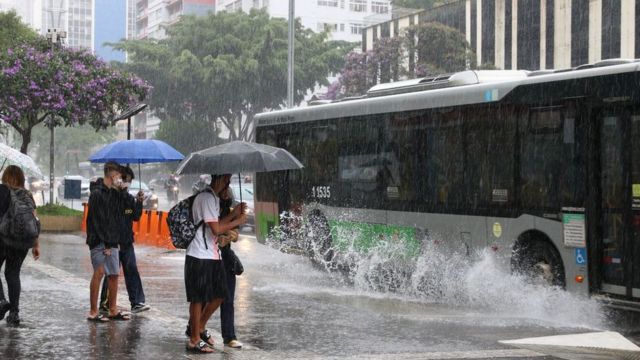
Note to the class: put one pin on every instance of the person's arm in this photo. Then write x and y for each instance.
(137, 205)
(226, 224)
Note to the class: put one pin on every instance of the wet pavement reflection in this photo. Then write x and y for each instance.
(285, 308)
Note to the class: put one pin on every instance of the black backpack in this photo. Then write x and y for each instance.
(19, 227)
(181, 226)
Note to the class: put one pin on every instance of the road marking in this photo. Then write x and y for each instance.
(607, 340)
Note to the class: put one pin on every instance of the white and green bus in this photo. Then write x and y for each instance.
(541, 167)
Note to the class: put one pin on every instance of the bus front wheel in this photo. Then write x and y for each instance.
(539, 261)
(319, 244)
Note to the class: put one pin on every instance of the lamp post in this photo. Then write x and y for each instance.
(290, 59)
(54, 36)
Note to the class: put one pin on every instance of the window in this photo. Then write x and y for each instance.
(330, 3)
(358, 5)
(327, 27)
(380, 7)
(356, 29)
(341, 27)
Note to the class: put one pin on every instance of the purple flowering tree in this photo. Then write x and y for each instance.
(61, 87)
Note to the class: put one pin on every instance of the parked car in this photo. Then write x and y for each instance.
(247, 197)
(84, 186)
(150, 198)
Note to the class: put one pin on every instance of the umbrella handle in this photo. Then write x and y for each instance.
(4, 162)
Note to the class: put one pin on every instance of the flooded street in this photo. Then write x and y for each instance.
(288, 308)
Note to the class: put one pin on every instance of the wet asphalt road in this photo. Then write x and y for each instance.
(285, 308)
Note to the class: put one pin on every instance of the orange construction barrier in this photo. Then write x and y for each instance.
(152, 232)
(151, 229)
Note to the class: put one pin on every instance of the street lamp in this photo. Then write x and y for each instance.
(54, 36)
(128, 114)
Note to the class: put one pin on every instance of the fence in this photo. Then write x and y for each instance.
(151, 229)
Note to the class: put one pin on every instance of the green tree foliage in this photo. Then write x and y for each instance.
(439, 49)
(418, 4)
(227, 67)
(189, 135)
(422, 50)
(13, 32)
(73, 145)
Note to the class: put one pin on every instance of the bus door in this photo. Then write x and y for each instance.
(616, 236)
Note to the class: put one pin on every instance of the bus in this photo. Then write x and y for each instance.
(541, 167)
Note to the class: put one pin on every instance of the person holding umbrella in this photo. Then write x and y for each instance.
(204, 274)
(129, 209)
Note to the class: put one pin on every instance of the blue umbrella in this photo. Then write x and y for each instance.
(140, 151)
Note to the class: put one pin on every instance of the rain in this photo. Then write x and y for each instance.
(419, 179)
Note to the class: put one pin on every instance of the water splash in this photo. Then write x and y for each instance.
(476, 282)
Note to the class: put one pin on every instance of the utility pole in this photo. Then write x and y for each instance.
(290, 60)
(54, 36)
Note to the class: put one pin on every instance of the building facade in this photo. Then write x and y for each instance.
(533, 34)
(345, 19)
(153, 16)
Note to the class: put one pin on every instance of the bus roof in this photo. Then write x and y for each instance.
(490, 86)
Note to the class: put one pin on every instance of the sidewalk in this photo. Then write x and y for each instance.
(55, 301)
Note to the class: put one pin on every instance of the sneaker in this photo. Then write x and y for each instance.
(234, 344)
(140, 308)
(13, 319)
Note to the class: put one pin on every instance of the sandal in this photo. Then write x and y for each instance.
(98, 318)
(205, 336)
(201, 347)
(120, 316)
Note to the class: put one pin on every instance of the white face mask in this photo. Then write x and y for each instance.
(125, 185)
(117, 182)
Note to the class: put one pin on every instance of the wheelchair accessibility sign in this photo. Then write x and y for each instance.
(581, 256)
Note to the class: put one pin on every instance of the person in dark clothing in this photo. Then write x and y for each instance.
(12, 179)
(103, 240)
(227, 313)
(130, 210)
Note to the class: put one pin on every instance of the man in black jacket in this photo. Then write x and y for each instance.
(130, 210)
(103, 239)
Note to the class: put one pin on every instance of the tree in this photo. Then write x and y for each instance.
(62, 86)
(418, 4)
(438, 49)
(229, 66)
(189, 135)
(13, 32)
(74, 144)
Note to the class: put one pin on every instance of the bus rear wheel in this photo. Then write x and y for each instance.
(539, 261)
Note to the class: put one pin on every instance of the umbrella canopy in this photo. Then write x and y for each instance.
(237, 157)
(136, 151)
(11, 156)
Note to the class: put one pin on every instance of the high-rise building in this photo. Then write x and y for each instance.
(344, 19)
(152, 16)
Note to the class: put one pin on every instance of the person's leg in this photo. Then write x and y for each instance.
(94, 288)
(104, 294)
(227, 311)
(208, 310)
(131, 275)
(195, 314)
(3, 256)
(113, 294)
(14, 260)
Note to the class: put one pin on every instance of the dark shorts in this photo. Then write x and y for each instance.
(204, 280)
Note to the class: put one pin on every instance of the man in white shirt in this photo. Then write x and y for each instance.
(205, 280)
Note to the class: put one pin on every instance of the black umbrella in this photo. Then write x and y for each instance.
(237, 157)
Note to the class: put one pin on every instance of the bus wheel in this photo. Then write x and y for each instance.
(539, 261)
(319, 238)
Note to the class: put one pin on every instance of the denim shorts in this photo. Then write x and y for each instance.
(111, 263)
